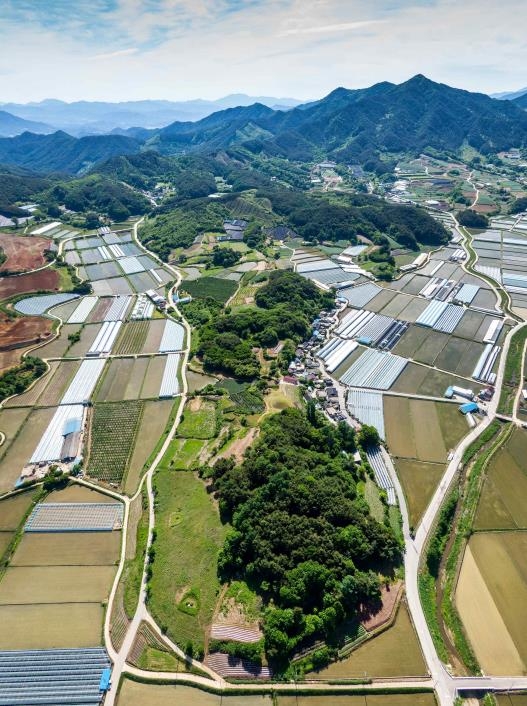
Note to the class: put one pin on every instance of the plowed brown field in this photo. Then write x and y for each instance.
(43, 279)
(23, 253)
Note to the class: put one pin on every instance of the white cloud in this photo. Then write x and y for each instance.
(116, 54)
(179, 49)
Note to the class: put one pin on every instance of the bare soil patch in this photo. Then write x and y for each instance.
(44, 279)
(22, 253)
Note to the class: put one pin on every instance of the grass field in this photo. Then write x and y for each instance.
(493, 583)
(219, 289)
(395, 652)
(186, 452)
(135, 694)
(199, 420)
(113, 433)
(189, 535)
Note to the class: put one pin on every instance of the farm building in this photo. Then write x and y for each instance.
(469, 408)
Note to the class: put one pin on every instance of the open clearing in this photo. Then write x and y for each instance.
(22, 253)
(135, 694)
(502, 501)
(198, 420)
(395, 652)
(493, 583)
(189, 535)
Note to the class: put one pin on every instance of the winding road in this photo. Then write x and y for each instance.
(439, 678)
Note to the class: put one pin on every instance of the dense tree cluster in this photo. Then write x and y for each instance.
(519, 205)
(343, 217)
(471, 219)
(286, 306)
(18, 379)
(178, 227)
(224, 257)
(302, 535)
(95, 193)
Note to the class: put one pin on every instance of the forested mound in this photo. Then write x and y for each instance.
(302, 534)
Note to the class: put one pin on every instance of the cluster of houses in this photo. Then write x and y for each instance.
(307, 369)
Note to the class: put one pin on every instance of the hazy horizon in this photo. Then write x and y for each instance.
(120, 50)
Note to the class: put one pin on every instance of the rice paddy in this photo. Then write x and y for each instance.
(395, 652)
(492, 584)
(136, 694)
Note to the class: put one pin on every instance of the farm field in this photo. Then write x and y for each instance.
(419, 481)
(26, 627)
(22, 253)
(68, 549)
(58, 346)
(196, 381)
(394, 652)
(75, 493)
(113, 433)
(502, 501)
(492, 583)
(15, 455)
(415, 428)
(88, 336)
(154, 335)
(136, 694)
(13, 509)
(511, 699)
(30, 397)
(123, 379)
(198, 420)
(153, 422)
(52, 592)
(22, 332)
(132, 338)
(42, 280)
(11, 420)
(426, 699)
(421, 380)
(57, 385)
(189, 535)
(153, 376)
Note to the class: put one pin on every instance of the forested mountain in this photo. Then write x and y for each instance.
(367, 126)
(18, 185)
(354, 125)
(60, 152)
(521, 101)
(11, 125)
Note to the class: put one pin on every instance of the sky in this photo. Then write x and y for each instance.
(117, 50)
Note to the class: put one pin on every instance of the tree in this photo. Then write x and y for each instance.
(369, 436)
(471, 219)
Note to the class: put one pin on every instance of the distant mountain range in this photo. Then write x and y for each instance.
(89, 118)
(366, 126)
(11, 125)
(510, 95)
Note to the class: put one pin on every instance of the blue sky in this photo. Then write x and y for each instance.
(182, 49)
